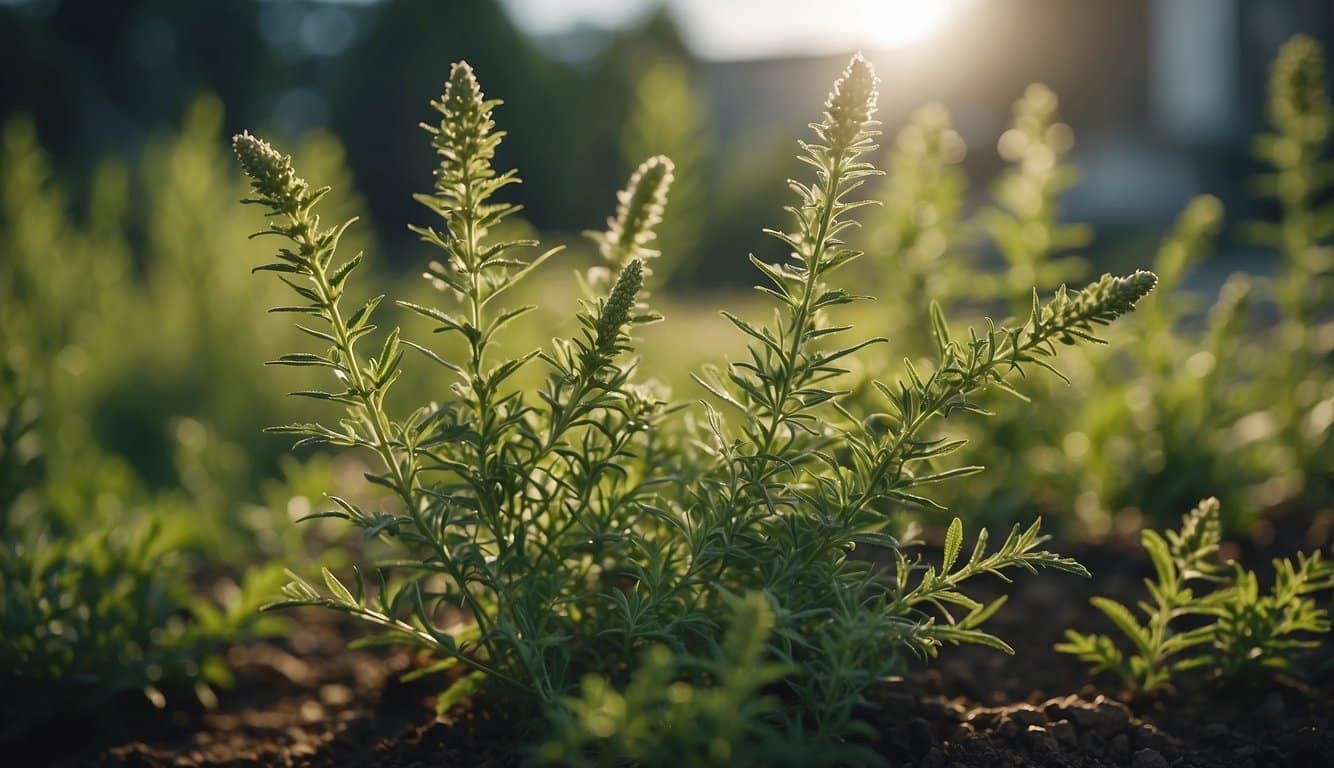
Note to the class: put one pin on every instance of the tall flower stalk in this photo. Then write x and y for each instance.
(582, 533)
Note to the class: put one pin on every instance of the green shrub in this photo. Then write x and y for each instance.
(96, 593)
(1218, 400)
(1200, 616)
(722, 722)
(84, 619)
(127, 535)
(540, 540)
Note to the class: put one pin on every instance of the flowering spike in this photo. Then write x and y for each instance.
(639, 210)
(851, 105)
(1099, 303)
(271, 174)
(616, 312)
(1299, 104)
(466, 140)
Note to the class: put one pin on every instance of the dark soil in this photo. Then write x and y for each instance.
(308, 701)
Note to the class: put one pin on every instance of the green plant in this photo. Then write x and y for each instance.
(940, 253)
(921, 226)
(1232, 409)
(112, 580)
(721, 722)
(524, 485)
(96, 597)
(539, 541)
(1302, 117)
(84, 619)
(1024, 223)
(668, 118)
(1157, 433)
(1198, 617)
(1205, 408)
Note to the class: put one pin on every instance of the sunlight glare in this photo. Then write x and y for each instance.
(897, 23)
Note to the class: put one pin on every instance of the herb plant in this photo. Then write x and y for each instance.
(921, 219)
(113, 588)
(1145, 429)
(1025, 221)
(1201, 616)
(659, 713)
(586, 531)
(1303, 292)
(1223, 406)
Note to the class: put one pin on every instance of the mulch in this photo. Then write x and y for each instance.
(306, 700)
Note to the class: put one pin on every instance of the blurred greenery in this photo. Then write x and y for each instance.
(1189, 399)
(140, 530)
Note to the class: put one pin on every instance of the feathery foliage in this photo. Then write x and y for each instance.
(587, 534)
(1199, 616)
(112, 585)
(1219, 401)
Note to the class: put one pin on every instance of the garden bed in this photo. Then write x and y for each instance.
(306, 701)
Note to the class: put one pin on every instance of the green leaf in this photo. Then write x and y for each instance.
(1125, 621)
(940, 327)
(459, 691)
(953, 543)
(336, 587)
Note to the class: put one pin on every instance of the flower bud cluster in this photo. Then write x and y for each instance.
(851, 105)
(467, 116)
(1099, 303)
(271, 174)
(1299, 103)
(621, 302)
(640, 209)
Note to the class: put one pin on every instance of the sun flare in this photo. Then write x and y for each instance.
(897, 23)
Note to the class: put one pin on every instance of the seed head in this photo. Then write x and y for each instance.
(851, 105)
(1299, 104)
(1125, 292)
(1099, 303)
(271, 174)
(464, 136)
(465, 141)
(620, 302)
(639, 210)
(463, 104)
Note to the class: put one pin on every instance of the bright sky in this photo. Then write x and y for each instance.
(743, 29)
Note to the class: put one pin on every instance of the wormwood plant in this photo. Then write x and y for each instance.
(921, 220)
(660, 713)
(97, 571)
(1161, 429)
(1025, 223)
(936, 253)
(582, 532)
(1299, 182)
(1218, 403)
(1204, 615)
(1241, 412)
